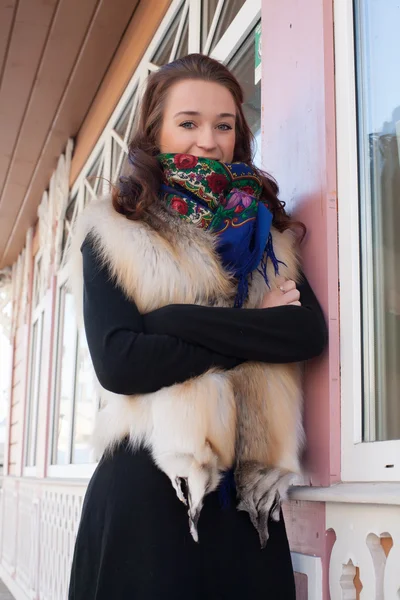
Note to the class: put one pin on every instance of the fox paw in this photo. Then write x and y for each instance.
(261, 491)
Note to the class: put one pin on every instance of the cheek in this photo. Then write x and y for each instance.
(174, 139)
(229, 148)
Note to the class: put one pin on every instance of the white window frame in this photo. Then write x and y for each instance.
(227, 46)
(71, 470)
(33, 396)
(361, 461)
(230, 42)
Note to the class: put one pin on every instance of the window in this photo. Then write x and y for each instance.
(378, 108)
(242, 66)
(368, 114)
(35, 365)
(76, 400)
(226, 30)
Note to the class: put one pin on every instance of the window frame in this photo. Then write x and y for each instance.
(70, 469)
(33, 396)
(237, 32)
(361, 461)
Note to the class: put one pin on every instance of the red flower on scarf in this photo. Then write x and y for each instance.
(179, 205)
(217, 182)
(185, 161)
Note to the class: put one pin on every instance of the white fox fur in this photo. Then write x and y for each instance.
(250, 416)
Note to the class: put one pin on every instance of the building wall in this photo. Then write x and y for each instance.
(345, 537)
(22, 276)
(300, 94)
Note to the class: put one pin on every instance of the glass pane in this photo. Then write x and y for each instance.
(33, 401)
(183, 46)
(86, 405)
(66, 378)
(229, 12)
(123, 125)
(242, 66)
(67, 222)
(94, 175)
(161, 57)
(117, 155)
(36, 282)
(208, 8)
(378, 104)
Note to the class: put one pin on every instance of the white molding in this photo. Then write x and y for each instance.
(139, 76)
(350, 493)
(358, 530)
(236, 33)
(361, 461)
(312, 567)
(12, 585)
(29, 472)
(5, 301)
(84, 471)
(194, 41)
(246, 19)
(238, 30)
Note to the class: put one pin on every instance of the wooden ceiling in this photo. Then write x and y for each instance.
(54, 55)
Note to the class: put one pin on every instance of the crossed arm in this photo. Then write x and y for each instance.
(137, 354)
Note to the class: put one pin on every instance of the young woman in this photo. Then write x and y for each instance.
(196, 317)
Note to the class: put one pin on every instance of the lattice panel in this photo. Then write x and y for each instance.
(60, 514)
(9, 538)
(27, 538)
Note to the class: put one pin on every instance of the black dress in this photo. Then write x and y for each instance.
(133, 541)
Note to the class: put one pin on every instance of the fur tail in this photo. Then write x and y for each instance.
(261, 491)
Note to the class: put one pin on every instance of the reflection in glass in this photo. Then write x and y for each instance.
(33, 400)
(86, 404)
(66, 383)
(229, 11)
(162, 55)
(378, 100)
(124, 124)
(242, 66)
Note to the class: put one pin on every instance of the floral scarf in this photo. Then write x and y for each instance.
(223, 198)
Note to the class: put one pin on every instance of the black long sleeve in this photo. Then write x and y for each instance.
(281, 334)
(127, 358)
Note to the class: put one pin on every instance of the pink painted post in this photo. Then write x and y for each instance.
(299, 150)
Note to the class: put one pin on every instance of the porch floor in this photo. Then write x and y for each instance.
(4, 593)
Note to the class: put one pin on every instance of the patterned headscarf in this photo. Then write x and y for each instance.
(224, 198)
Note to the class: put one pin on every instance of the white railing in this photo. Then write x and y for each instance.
(365, 559)
(39, 525)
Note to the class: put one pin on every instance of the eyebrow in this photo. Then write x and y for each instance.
(194, 113)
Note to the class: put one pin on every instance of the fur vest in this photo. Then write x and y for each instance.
(249, 417)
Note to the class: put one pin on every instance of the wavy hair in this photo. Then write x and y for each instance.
(138, 189)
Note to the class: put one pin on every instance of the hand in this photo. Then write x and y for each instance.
(287, 294)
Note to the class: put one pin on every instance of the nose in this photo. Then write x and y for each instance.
(206, 139)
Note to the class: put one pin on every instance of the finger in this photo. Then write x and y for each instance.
(280, 281)
(288, 286)
(291, 296)
(297, 303)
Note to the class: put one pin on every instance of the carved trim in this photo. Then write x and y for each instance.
(60, 198)
(5, 301)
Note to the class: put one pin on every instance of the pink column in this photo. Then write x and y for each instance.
(299, 151)
(298, 103)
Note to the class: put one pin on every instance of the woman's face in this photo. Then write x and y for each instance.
(199, 118)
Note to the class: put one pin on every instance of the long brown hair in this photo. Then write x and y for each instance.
(139, 188)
